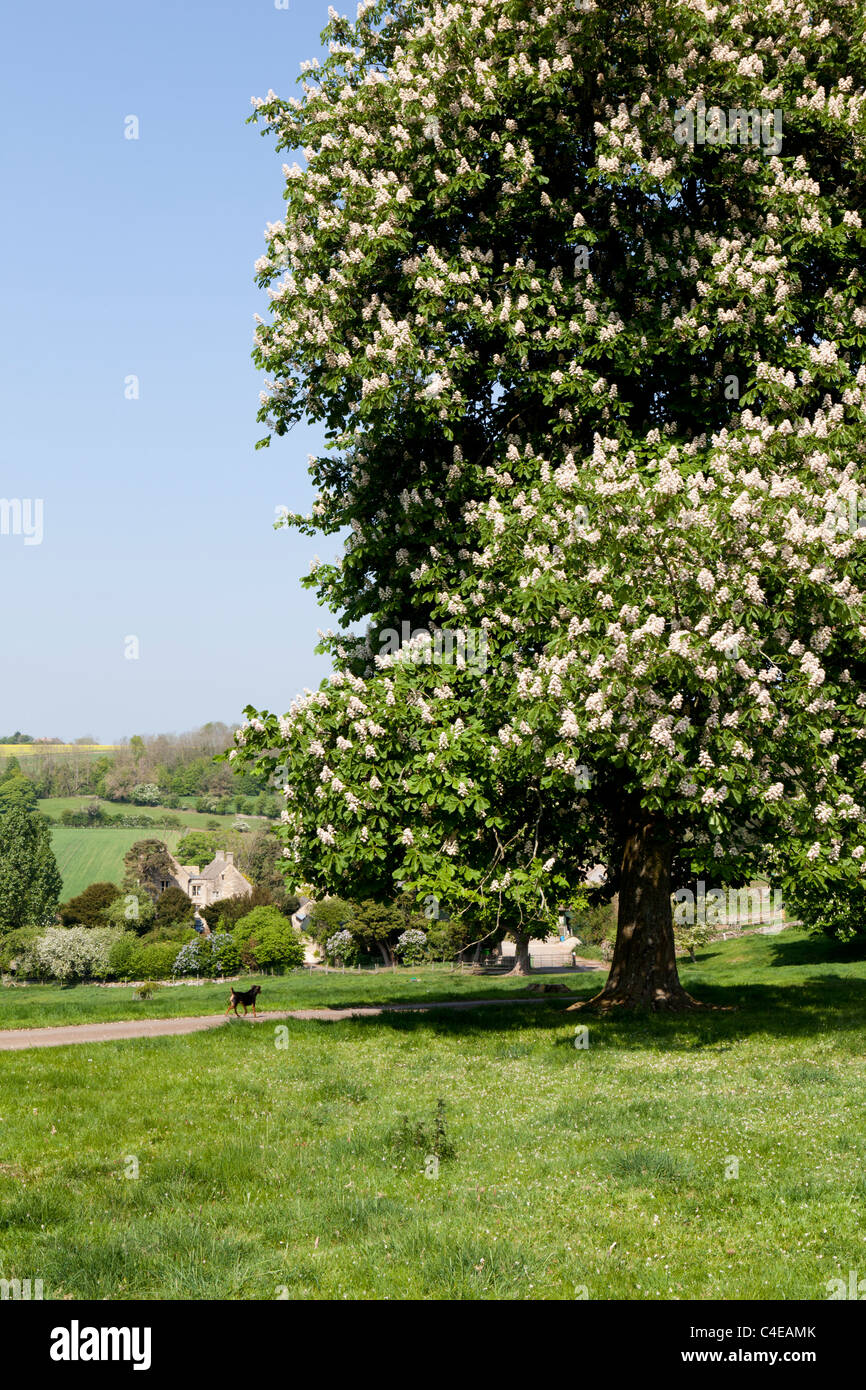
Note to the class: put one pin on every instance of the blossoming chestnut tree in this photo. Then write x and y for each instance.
(405, 780)
(576, 291)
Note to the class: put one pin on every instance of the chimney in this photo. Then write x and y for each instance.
(230, 858)
(220, 855)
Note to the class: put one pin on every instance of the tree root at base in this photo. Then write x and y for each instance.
(677, 1002)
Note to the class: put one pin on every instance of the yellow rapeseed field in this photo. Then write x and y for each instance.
(23, 750)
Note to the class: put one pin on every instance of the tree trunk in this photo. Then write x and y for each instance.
(384, 953)
(522, 961)
(643, 972)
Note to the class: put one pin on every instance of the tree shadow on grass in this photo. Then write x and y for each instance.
(791, 950)
(817, 950)
(814, 1007)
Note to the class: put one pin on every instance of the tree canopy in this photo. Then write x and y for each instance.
(88, 908)
(30, 882)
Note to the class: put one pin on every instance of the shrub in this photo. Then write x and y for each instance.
(146, 794)
(177, 934)
(154, 962)
(133, 912)
(188, 959)
(343, 947)
(75, 953)
(594, 923)
(328, 917)
(88, 909)
(692, 937)
(411, 946)
(210, 956)
(16, 946)
(225, 958)
(122, 956)
(174, 908)
(266, 940)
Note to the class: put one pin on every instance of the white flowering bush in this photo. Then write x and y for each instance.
(210, 956)
(188, 960)
(411, 946)
(598, 391)
(73, 953)
(342, 947)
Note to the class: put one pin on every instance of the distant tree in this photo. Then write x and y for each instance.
(197, 847)
(136, 747)
(329, 916)
(88, 908)
(260, 857)
(380, 925)
(30, 882)
(225, 913)
(145, 794)
(190, 778)
(98, 770)
(119, 782)
(174, 908)
(16, 791)
(133, 912)
(148, 865)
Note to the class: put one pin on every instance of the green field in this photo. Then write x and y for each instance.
(96, 856)
(265, 1171)
(54, 806)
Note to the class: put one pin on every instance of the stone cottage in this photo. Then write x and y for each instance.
(219, 879)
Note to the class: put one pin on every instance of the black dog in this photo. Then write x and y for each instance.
(245, 997)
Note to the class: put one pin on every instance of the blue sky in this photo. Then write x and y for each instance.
(135, 257)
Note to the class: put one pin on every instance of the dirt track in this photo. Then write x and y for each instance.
(17, 1039)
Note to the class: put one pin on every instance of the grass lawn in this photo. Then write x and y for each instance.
(264, 1169)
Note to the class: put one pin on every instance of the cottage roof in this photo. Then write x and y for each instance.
(220, 865)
